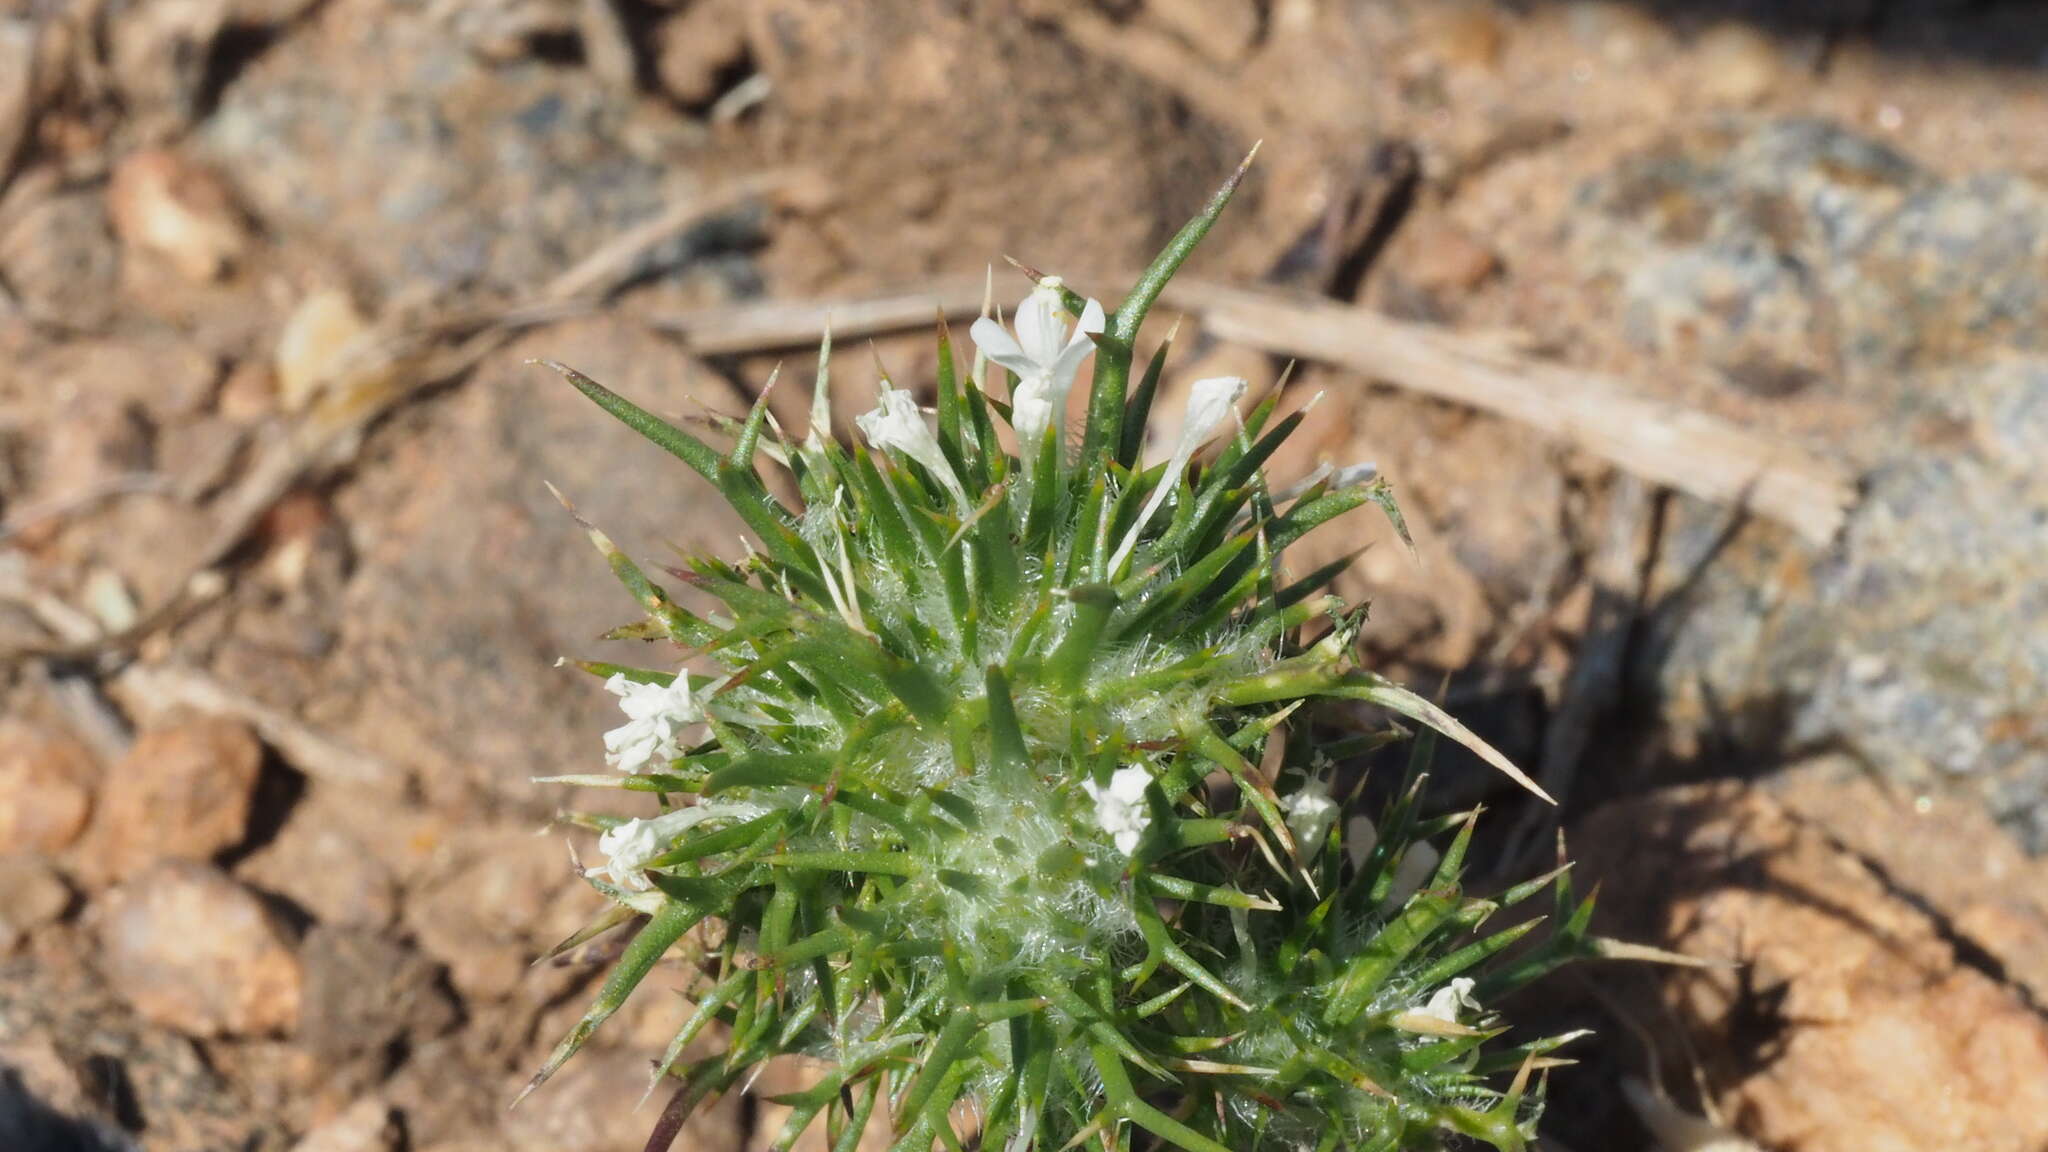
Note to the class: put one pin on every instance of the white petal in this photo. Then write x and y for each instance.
(896, 425)
(656, 714)
(1093, 321)
(1209, 403)
(639, 744)
(874, 424)
(1020, 364)
(673, 701)
(1031, 414)
(1040, 329)
(1067, 364)
(1079, 346)
(644, 701)
(1129, 784)
(997, 344)
(626, 736)
(684, 704)
(1447, 1000)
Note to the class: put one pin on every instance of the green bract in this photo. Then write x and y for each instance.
(1003, 798)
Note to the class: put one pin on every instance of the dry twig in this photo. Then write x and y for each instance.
(762, 325)
(121, 484)
(1664, 443)
(1694, 452)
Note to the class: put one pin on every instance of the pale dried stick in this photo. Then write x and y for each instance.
(1667, 444)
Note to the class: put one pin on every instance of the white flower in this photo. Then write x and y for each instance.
(631, 846)
(656, 715)
(1044, 354)
(642, 701)
(1446, 1002)
(896, 425)
(1310, 812)
(628, 848)
(1209, 402)
(1120, 808)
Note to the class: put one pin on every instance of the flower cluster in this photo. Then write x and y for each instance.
(657, 712)
(1120, 807)
(1311, 810)
(1009, 793)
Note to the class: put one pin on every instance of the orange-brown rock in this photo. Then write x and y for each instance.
(183, 792)
(46, 789)
(592, 1105)
(1881, 1032)
(190, 949)
(32, 895)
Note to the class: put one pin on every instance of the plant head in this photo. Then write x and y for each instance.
(1002, 789)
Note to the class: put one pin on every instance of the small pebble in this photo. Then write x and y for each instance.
(184, 793)
(165, 205)
(320, 329)
(46, 790)
(368, 1125)
(1739, 66)
(32, 895)
(190, 949)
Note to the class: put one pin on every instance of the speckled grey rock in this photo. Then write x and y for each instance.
(1792, 251)
(385, 138)
(1725, 245)
(1951, 277)
(1933, 603)
(1804, 263)
(60, 263)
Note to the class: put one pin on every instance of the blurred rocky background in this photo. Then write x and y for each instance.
(281, 588)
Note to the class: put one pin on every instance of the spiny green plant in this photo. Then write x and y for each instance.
(1004, 795)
